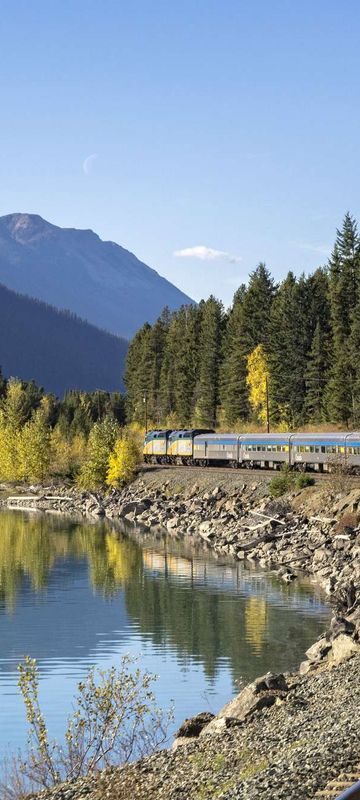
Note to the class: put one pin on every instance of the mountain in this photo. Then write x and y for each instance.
(55, 348)
(74, 269)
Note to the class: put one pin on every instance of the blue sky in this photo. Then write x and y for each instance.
(228, 126)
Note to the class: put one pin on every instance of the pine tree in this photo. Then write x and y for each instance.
(234, 391)
(180, 365)
(207, 389)
(344, 270)
(289, 342)
(258, 301)
(248, 326)
(153, 356)
(137, 374)
(316, 376)
(354, 353)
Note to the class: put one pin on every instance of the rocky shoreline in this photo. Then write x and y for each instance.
(282, 736)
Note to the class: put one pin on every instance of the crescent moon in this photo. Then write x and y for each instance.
(88, 163)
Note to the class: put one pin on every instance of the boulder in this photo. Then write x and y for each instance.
(318, 650)
(343, 648)
(260, 694)
(193, 726)
(134, 507)
(218, 725)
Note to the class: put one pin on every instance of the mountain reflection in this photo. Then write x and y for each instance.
(175, 596)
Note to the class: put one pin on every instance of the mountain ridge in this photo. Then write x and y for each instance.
(75, 269)
(56, 348)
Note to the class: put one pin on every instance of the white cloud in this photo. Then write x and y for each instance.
(203, 253)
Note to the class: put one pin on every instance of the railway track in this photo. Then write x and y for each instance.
(318, 476)
(345, 787)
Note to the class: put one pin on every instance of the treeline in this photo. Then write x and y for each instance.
(82, 438)
(293, 348)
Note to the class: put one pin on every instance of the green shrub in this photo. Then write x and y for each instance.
(304, 480)
(281, 484)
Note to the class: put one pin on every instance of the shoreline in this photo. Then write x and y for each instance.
(308, 531)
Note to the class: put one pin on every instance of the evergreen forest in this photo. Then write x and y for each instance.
(287, 354)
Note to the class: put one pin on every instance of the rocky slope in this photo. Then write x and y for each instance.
(75, 270)
(286, 751)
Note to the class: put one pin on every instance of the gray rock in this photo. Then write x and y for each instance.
(193, 726)
(343, 648)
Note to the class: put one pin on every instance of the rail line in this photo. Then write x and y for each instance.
(248, 473)
(345, 787)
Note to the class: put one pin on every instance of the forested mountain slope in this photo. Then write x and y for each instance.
(56, 349)
(74, 269)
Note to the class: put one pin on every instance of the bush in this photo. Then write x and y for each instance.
(115, 718)
(304, 480)
(281, 484)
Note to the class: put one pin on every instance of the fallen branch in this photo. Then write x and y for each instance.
(272, 519)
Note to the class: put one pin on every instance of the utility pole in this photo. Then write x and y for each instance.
(146, 410)
(267, 404)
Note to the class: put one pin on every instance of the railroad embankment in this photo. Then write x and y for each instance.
(284, 736)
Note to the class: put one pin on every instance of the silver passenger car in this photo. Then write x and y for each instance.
(219, 447)
(270, 450)
(322, 451)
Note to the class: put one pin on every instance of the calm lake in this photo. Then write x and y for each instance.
(74, 594)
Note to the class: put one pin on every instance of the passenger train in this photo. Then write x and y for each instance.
(301, 451)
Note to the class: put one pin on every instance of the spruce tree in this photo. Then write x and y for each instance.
(207, 389)
(354, 352)
(344, 272)
(180, 364)
(315, 376)
(137, 374)
(288, 349)
(248, 326)
(234, 389)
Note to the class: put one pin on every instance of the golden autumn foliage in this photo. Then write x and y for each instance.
(123, 461)
(100, 444)
(34, 447)
(256, 379)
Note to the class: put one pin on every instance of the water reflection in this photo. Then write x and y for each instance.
(74, 593)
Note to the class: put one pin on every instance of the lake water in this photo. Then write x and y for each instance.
(74, 594)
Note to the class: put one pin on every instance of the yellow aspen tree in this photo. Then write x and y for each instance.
(256, 379)
(35, 446)
(123, 461)
(101, 441)
(12, 418)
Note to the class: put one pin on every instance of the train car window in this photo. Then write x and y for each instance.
(323, 449)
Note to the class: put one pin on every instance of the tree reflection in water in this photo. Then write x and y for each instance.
(178, 597)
